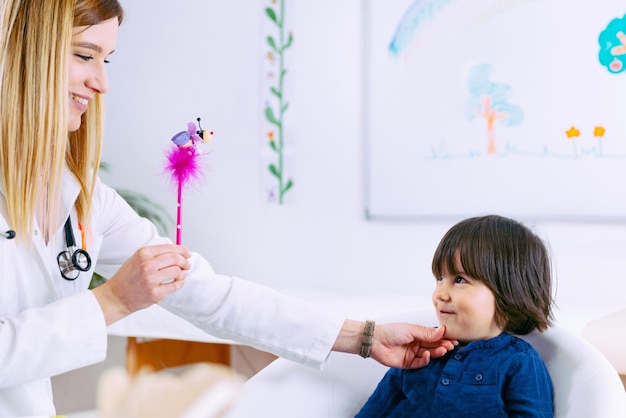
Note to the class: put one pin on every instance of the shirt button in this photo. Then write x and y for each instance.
(478, 377)
(457, 356)
(445, 382)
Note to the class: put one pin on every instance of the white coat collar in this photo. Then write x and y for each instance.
(69, 192)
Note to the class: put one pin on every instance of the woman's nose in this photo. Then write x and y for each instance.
(100, 80)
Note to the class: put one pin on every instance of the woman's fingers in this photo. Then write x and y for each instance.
(150, 275)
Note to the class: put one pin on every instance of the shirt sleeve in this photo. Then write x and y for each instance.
(528, 392)
(221, 305)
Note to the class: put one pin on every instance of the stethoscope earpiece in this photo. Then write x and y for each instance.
(10, 234)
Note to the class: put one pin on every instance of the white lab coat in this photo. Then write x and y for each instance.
(49, 325)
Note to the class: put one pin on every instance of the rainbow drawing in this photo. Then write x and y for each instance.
(433, 19)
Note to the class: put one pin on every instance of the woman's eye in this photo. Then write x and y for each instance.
(84, 57)
(439, 279)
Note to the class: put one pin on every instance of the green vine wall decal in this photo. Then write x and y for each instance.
(275, 114)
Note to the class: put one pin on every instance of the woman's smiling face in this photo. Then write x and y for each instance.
(90, 50)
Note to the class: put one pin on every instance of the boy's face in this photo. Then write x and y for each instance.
(466, 306)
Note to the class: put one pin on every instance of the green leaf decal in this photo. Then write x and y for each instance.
(288, 43)
(272, 43)
(271, 14)
(288, 186)
(274, 171)
(269, 114)
(276, 92)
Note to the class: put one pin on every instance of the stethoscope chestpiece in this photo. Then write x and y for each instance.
(72, 261)
(81, 259)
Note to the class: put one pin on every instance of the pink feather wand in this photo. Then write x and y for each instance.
(184, 165)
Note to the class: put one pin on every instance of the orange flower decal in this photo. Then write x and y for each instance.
(572, 132)
(599, 131)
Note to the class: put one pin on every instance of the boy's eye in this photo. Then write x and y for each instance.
(459, 279)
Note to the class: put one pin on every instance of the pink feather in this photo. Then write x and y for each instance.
(184, 166)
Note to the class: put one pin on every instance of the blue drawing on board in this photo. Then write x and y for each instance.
(490, 101)
(443, 16)
(612, 42)
(420, 12)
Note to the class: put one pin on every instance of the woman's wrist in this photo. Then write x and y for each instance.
(112, 309)
(350, 338)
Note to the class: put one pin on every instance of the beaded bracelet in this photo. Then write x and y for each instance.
(368, 335)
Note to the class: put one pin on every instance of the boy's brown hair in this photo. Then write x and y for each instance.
(511, 260)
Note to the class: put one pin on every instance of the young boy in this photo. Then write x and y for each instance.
(493, 280)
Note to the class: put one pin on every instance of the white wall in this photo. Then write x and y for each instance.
(178, 60)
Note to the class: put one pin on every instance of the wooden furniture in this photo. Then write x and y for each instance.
(158, 339)
(159, 354)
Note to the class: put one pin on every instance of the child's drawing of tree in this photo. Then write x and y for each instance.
(490, 101)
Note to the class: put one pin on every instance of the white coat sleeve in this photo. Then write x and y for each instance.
(223, 306)
(40, 342)
(254, 315)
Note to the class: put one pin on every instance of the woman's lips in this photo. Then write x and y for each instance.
(80, 102)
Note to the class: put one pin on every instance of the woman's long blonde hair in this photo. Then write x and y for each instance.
(35, 46)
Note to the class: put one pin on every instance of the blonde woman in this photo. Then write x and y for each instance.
(59, 224)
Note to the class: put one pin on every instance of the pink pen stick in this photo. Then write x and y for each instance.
(179, 215)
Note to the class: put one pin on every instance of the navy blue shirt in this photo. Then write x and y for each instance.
(499, 377)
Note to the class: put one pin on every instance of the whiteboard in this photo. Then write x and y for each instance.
(516, 107)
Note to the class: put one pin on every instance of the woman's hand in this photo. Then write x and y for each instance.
(409, 346)
(150, 275)
(399, 345)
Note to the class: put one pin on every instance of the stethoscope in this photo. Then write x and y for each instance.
(72, 261)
